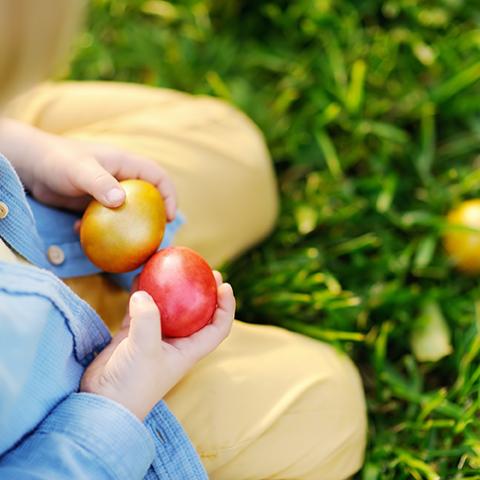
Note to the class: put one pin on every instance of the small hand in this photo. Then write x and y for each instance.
(66, 173)
(71, 171)
(138, 368)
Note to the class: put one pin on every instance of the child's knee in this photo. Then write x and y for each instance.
(338, 431)
(306, 418)
(324, 429)
(243, 143)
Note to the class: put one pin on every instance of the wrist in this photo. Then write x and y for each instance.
(131, 404)
(24, 146)
(134, 402)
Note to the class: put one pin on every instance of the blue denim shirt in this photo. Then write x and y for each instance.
(48, 336)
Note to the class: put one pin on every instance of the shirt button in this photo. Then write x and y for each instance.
(3, 210)
(55, 255)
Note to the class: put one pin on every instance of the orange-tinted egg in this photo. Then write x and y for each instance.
(121, 239)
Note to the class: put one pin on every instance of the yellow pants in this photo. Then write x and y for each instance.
(267, 404)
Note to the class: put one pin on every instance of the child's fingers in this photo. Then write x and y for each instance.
(218, 277)
(170, 208)
(166, 188)
(145, 330)
(90, 177)
(226, 306)
(209, 337)
(154, 173)
(125, 165)
(136, 166)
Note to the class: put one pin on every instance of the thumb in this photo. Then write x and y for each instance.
(93, 179)
(145, 331)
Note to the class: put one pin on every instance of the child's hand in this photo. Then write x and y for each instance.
(66, 173)
(138, 368)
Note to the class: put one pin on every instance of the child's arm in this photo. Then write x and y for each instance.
(47, 433)
(98, 435)
(64, 173)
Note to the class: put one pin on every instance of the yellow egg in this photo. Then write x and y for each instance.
(121, 239)
(463, 247)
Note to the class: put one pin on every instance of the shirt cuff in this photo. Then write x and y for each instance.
(122, 444)
(175, 455)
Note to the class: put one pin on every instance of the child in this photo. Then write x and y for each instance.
(76, 403)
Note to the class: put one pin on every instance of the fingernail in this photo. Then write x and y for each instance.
(115, 196)
(140, 296)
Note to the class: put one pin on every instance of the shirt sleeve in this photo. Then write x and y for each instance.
(47, 430)
(86, 436)
(175, 456)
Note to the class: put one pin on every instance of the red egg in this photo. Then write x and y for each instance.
(183, 286)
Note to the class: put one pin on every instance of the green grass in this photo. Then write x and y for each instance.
(372, 113)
